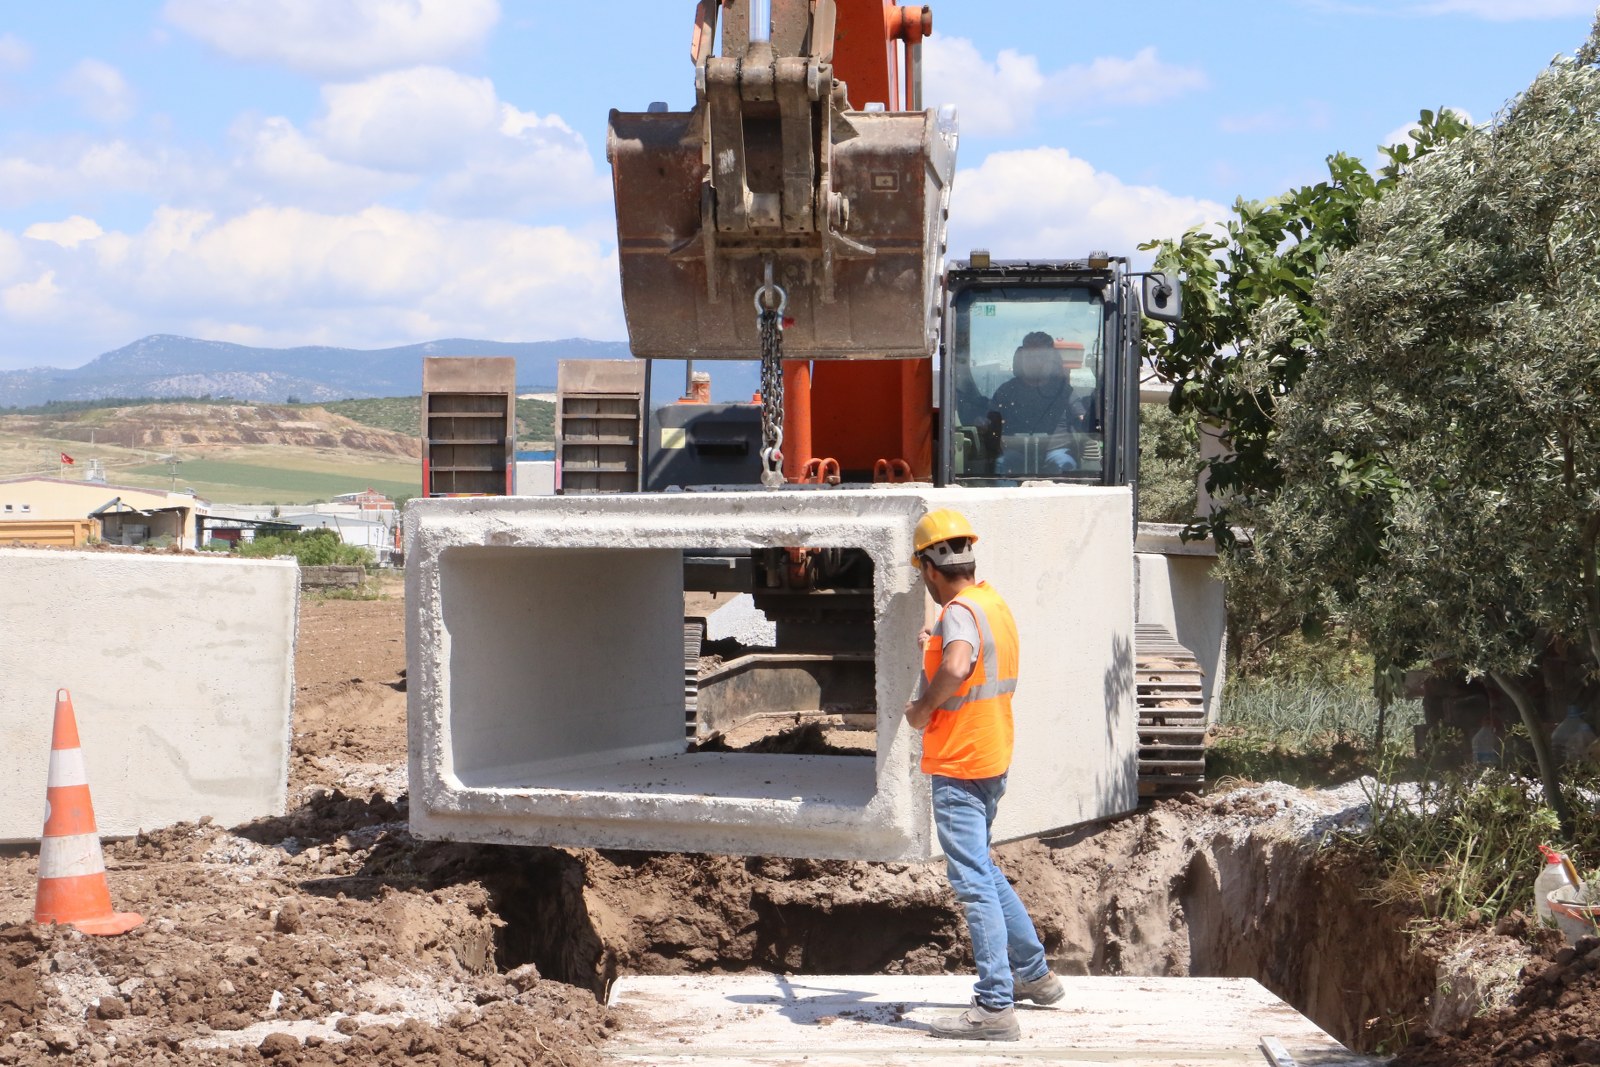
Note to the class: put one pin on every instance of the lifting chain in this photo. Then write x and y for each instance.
(771, 302)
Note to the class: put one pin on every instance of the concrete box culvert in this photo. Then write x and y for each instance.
(544, 643)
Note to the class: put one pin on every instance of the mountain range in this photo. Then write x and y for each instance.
(166, 366)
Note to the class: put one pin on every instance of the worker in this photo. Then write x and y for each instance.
(969, 671)
(1038, 400)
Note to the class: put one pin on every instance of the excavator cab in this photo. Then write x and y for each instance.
(1039, 370)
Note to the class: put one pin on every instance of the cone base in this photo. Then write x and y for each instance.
(118, 922)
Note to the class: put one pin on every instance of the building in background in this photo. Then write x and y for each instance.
(40, 510)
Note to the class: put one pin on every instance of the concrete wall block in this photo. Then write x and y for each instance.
(1182, 593)
(545, 645)
(181, 670)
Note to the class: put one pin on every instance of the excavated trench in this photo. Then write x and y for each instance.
(1226, 887)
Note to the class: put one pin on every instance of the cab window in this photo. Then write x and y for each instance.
(1027, 380)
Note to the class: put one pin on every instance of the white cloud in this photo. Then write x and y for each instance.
(282, 275)
(337, 37)
(15, 55)
(278, 160)
(12, 258)
(1047, 203)
(1003, 96)
(40, 298)
(484, 155)
(1508, 10)
(531, 162)
(100, 89)
(68, 233)
(422, 119)
(65, 168)
(1401, 134)
(427, 135)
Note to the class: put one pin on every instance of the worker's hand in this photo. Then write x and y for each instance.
(922, 638)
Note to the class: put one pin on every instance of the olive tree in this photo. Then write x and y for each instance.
(1439, 458)
(1251, 325)
(1251, 328)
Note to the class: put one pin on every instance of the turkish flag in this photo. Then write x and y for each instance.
(67, 459)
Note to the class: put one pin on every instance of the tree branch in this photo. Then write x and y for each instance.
(1541, 747)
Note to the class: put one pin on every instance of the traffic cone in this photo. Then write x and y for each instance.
(72, 870)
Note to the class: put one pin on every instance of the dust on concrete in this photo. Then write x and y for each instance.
(329, 935)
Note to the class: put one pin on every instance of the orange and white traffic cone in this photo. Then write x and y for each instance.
(72, 869)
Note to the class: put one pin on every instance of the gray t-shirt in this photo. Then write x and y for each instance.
(957, 624)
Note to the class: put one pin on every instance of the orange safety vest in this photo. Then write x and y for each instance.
(970, 735)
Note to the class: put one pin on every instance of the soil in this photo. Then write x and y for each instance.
(1554, 1018)
(329, 935)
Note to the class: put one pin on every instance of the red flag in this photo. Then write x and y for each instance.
(67, 459)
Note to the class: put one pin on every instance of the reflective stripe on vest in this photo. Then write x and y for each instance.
(988, 659)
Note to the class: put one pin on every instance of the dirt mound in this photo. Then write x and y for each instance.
(205, 426)
(1552, 1019)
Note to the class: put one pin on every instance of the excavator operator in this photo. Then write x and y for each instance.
(1038, 400)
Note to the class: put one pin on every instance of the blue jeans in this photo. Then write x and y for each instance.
(1003, 938)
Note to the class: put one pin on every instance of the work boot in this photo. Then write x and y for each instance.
(978, 1023)
(1046, 989)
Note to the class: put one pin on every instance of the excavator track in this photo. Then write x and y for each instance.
(1172, 715)
(694, 637)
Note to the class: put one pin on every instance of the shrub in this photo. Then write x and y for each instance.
(313, 548)
(1464, 841)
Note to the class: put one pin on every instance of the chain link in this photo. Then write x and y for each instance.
(771, 323)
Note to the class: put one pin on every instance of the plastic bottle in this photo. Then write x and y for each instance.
(1486, 745)
(1573, 737)
(1552, 877)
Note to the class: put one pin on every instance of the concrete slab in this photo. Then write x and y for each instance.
(181, 670)
(545, 649)
(835, 1021)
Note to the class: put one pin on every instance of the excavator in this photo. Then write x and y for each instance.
(796, 216)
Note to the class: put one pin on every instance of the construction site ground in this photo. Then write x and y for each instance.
(331, 936)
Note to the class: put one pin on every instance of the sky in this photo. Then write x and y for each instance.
(367, 173)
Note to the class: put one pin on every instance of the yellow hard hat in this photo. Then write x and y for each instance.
(946, 524)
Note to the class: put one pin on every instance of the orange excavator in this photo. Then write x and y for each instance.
(797, 215)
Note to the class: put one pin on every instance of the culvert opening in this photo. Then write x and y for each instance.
(1134, 897)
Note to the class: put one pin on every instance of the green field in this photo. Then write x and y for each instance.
(536, 419)
(247, 483)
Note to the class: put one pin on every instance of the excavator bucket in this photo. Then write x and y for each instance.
(688, 291)
(773, 169)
